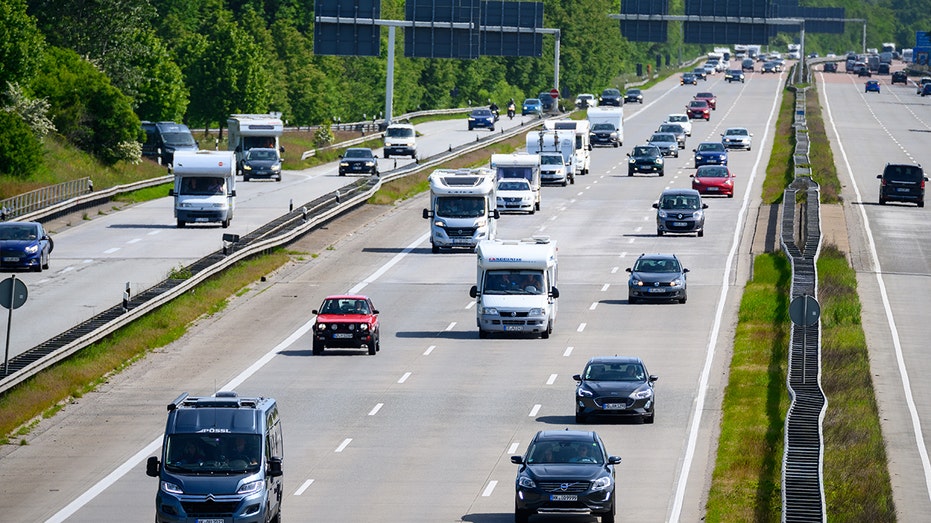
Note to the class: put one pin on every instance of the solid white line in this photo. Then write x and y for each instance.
(489, 489)
(111, 251)
(342, 446)
(152, 447)
(303, 487)
(404, 377)
(535, 410)
(699, 405)
(890, 317)
(552, 379)
(376, 408)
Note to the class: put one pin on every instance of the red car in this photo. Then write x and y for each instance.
(708, 97)
(348, 322)
(698, 109)
(713, 179)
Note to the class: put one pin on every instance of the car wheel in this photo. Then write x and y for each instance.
(492, 129)
(181, 223)
(579, 417)
(546, 332)
(701, 233)
(245, 178)
(482, 335)
(372, 348)
(630, 299)
(882, 201)
(226, 223)
(342, 173)
(318, 348)
(45, 265)
(662, 173)
(659, 232)
(651, 418)
(921, 203)
(677, 154)
(683, 299)
(470, 127)
(630, 173)
(521, 516)
(730, 195)
(608, 517)
(434, 248)
(616, 145)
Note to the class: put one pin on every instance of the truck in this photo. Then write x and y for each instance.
(607, 126)
(561, 142)
(246, 131)
(400, 140)
(463, 208)
(162, 139)
(520, 165)
(515, 289)
(583, 144)
(220, 460)
(204, 188)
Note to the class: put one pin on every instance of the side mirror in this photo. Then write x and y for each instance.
(879, 176)
(628, 155)
(238, 149)
(554, 292)
(314, 312)
(577, 377)
(473, 292)
(151, 467)
(653, 377)
(704, 206)
(426, 213)
(629, 270)
(233, 193)
(281, 149)
(685, 270)
(496, 214)
(656, 205)
(273, 468)
(171, 192)
(517, 460)
(614, 460)
(375, 311)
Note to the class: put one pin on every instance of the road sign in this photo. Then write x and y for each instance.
(554, 92)
(804, 310)
(13, 293)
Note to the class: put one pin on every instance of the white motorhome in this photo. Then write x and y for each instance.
(561, 142)
(520, 165)
(607, 125)
(246, 131)
(400, 140)
(515, 290)
(204, 189)
(463, 207)
(583, 145)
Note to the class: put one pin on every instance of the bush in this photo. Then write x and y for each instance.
(20, 149)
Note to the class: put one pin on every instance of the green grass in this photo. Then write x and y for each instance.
(779, 171)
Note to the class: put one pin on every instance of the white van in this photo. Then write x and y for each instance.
(400, 140)
(205, 187)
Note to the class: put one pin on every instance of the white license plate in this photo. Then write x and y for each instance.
(903, 189)
(211, 520)
(564, 497)
(615, 406)
(513, 327)
(342, 335)
(712, 188)
(657, 289)
(462, 241)
(679, 224)
(10, 259)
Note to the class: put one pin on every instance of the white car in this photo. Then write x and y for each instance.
(515, 194)
(737, 138)
(681, 119)
(586, 100)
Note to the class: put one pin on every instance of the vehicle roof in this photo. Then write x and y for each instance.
(698, 103)
(566, 435)
(734, 129)
(481, 110)
(627, 359)
(358, 149)
(704, 94)
(346, 297)
(684, 192)
(663, 136)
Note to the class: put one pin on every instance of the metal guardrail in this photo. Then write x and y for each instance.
(23, 204)
(278, 232)
(802, 479)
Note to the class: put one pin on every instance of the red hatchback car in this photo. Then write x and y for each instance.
(698, 109)
(708, 97)
(713, 179)
(347, 322)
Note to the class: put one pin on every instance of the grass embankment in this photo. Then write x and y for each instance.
(746, 484)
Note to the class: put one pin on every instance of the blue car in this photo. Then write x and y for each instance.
(532, 106)
(24, 245)
(872, 86)
(710, 153)
(483, 118)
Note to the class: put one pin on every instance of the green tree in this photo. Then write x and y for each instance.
(21, 44)
(20, 148)
(161, 94)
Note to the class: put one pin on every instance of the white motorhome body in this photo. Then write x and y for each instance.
(463, 207)
(245, 131)
(204, 189)
(562, 142)
(515, 288)
(610, 115)
(583, 145)
(520, 165)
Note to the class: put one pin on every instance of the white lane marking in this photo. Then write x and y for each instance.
(429, 350)
(607, 285)
(568, 352)
(450, 326)
(376, 408)
(552, 379)
(890, 317)
(581, 327)
(134, 240)
(513, 448)
(593, 305)
(303, 487)
(698, 407)
(111, 250)
(342, 446)
(150, 233)
(614, 270)
(470, 305)
(66, 269)
(404, 377)
(535, 410)
(490, 488)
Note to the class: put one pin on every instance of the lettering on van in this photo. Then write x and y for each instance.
(494, 259)
(213, 430)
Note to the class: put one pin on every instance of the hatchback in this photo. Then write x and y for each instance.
(710, 153)
(645, 159)
(616, 387)
(680, 211)
(675, 129)
(688, 78)
(872, 86)
(633, 96)
(611, 97)
(747, 65)
(261, 163)
(902, 183)
(657, 277)
(698, 109)
(346, 321)
(515, 194)
(713, 179)
(24, 245)
(483, 118)
(737, 138)
(531, 106)
(899, 77)
(830, 67)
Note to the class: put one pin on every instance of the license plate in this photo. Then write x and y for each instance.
(466, 241)
(342, 335)
(10, 259)
(679, 224)
(564, 497)
(657, 289)
(712, 188)
(211, 520)
(903, 189)
(202, 220)
(615, 406)
(513, 327)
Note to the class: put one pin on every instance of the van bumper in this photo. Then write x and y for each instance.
(197, 509)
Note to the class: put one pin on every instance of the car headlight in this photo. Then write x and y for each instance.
(536, 311)
(659, 161)
(661, 213)
(471, 119)
(252, 486)
(344, 164)
(642, 394)
(632, 160)
(583, 392)
(481, 223)
(602, 483)
(369, 164)
(171, 488)
(491, 311)
(185, 205)
(697, 215)
(32, 249)
(526, 482)
(321, 326)
(364, 327)
(246, 167)
(697, 157)
(636, 282)
(276, 167)
(675, 283)
(439, 223)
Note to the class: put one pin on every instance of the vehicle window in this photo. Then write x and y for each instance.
(18, 232)
(460, 207)
(903, 173)
(736, 132)
(358, 153)
(514, 282)
(551, 159)
(711, 147)
(643, 151)
(213, 453)
(400, 132)
(681, 202)
(712, 172)
(603, 127)
(514, 185)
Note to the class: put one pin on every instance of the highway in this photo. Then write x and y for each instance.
(423, 431)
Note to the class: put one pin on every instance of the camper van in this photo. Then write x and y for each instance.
(515, 290)
(519, 165)
(463, 208)
(220, 460)
(607, 125)
(561, 142)
(583, 145)
(204, 187)
(246, 131)
(163, 139)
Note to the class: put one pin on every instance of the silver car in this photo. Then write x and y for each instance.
(737, 138)
(666, 142)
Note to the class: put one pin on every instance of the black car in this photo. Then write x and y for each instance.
(830, 67)
(902, 183)
(611, 97)
(688, 78)
(645, 159)
(604, 133)
(615, 386)
(483, 118)
(548, 103)
(769, 67)
(633, 96)
(565, 471)
(863, 70)
(900, 77)
(734, 75)
(358, 160)
(657, 277)
(747, 65)
(24, 245)
(261, 163)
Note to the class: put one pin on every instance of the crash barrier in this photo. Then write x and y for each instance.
(281, 231)
(22, 204)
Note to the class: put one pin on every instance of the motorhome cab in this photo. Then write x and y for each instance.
(583, 145)
(204, 188)
(246, 131)
(463, 207)
(561, 142)
(220, 461)
(515, 288)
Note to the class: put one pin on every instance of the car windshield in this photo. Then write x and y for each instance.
(633, 92)
(610, 92)
(711, 171)
(359, 153)
(678, 118)
(262, 154)
(399, 132)
(603, 127)
(581, 452)
(622, 371)
(481, 112)
(513, 282)
(704, 95)
(904, 173)
(460, 207)
(681, 201)
(15, 231)
(344, 306)
(551, 159)
(177, 139)
(663, 137)
(736, 132)
(213, 453)
(711, 147)
(532, 101)
(671, 128)
(698, 104)
(513, 185)
(645, 151)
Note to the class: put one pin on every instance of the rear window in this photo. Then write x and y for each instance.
(903, 173)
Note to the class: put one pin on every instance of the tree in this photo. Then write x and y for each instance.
(21, 44)
(20, 148)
